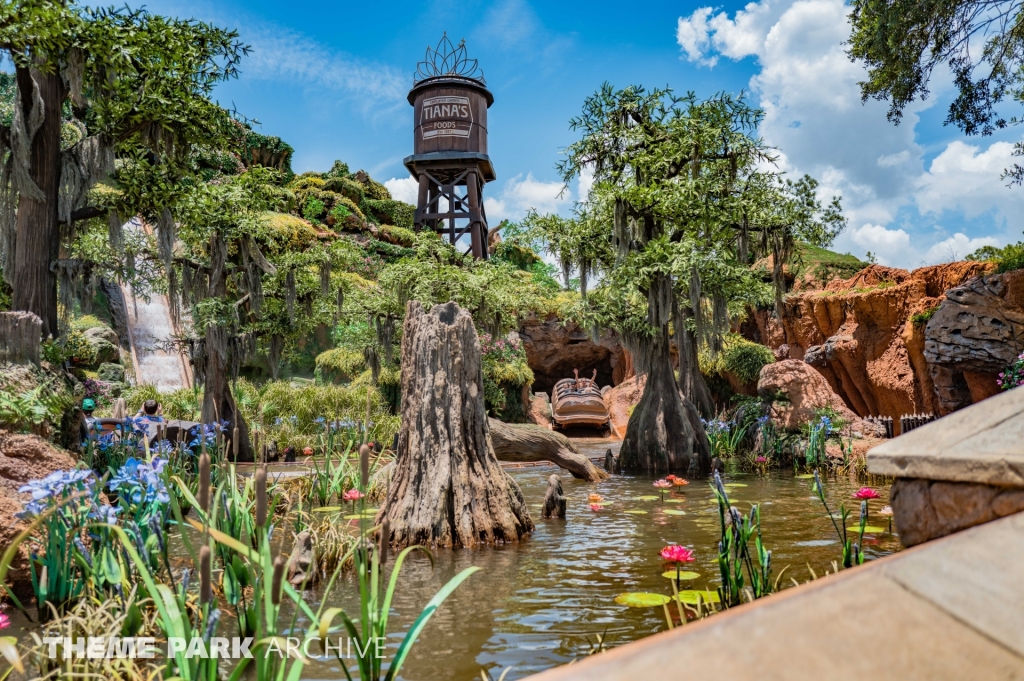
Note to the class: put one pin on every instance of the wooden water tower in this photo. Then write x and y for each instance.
(450, 100)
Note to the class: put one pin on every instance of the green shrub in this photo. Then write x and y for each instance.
(375, 190)
(340, 364)
(338, 169)
(739, 357)
(391, 212)
(86, 322)
(921, 318)
(1007, 259)
(289, 232)
(280, 401)
(313, 209)
(347, 187)
(307, 181)
(745, 359)
(398, 235)
(79, 350)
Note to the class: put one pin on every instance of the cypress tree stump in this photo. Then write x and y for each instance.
(447, 488)
(21, 334)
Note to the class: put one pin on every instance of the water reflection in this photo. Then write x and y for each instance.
(544, 602)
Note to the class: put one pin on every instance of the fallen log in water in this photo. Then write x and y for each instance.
(526, 443)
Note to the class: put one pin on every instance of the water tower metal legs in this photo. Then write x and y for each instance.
(439, 187)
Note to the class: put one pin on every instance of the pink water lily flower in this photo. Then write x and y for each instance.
(5, 621)
(678, 554)
(595, 507)
(353, 495)
(865, 493)
(760, 459)
(662, 484)
(886, 510)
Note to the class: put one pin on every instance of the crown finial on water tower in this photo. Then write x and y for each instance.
(448, 59)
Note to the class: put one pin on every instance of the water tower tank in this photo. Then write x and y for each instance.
(450, 162)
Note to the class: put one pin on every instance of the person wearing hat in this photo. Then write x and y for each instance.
(88, 407)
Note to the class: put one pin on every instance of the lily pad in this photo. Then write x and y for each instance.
(636, 511)
(648, 497)
(327, 509)
(805, 476)
(683, 574)
(599, 503)
(358, 516)
(641, 599)
(868, 529)
(734, 484)
(690, 597)
(675, 501)
(673, 511)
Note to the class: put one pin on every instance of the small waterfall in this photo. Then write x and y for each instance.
(150, 327)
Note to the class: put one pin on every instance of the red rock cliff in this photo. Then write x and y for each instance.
(860, 335)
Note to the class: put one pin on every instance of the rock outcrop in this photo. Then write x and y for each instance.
(105, 342)
(554, 348)
(23, 458)
(798, 391)
(977, 331)
(620, 401)
(860, 334)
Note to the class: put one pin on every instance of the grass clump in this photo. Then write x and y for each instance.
(921, 318)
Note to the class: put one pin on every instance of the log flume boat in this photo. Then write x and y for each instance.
(578, 402)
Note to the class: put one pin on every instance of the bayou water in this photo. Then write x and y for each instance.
(549, 599)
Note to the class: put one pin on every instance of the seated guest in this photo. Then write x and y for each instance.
(86, 424)
(151, 411)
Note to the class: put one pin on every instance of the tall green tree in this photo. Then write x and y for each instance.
(681, 198)
(137, 89)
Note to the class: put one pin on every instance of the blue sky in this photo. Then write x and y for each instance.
(331, 79)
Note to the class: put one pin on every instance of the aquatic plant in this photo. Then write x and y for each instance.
(817, 432)
(851, 550)
(865, 494)
(375, 599)
(330, 478)
(662, 485)
(673, 553)
(734, 552)
(724, 436)
(886, 512)
(64, 503)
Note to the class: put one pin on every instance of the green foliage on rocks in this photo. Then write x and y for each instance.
(1007, 258)
(740, 357)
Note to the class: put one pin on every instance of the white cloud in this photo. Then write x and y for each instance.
(965, 177)
(956, 247)
(888, 245)
(808, 88)
(896, 248)
(519, 195)
(404, 189)
(694, 35)
(281, 54)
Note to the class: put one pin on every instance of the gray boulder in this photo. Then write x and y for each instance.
(105, 341)
(111, 373)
